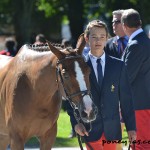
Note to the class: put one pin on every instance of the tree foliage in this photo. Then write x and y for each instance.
(34, 16)
(29, 21)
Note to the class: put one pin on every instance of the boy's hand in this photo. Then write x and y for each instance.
(132, 136)
(80, 129)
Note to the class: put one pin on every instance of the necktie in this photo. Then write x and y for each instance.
(122, 45)
(99, 72)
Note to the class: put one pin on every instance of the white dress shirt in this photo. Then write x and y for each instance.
(134, 34)
(94, 63)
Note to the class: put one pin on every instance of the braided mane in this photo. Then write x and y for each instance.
(43, 47)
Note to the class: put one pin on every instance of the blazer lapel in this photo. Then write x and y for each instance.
(108, 69)
(115, 44)
(124, 53)
(130, 43)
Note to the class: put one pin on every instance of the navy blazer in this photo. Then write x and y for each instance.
(137, 61)
(111, 47)
(115, 89)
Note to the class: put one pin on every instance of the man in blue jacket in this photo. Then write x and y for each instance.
(137, 61)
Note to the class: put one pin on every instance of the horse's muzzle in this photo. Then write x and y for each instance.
(90, 116)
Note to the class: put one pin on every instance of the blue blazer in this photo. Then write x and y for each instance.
(137, 61)
(115, 89)
(111, 47)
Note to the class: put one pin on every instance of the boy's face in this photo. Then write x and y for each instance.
(97, 40)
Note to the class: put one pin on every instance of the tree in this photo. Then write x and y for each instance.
(29, 21)
(22, 20)
(75, 15)
(73, 9)
(79, 11)
(30, 17)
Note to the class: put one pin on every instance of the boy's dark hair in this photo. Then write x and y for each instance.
(95, 23)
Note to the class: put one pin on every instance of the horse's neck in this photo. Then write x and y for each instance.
(44, 73)
(40, 69)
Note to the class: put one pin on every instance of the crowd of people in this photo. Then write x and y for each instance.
(119, 79)
(10, 47)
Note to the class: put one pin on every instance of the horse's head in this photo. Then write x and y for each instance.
(73, 73)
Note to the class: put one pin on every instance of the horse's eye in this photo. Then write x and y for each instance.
(66, 76)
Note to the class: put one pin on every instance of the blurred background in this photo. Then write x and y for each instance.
(59, 19)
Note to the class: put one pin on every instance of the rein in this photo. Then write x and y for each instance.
(70, 96)
(133, 148)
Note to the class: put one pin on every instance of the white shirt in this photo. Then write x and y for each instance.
(94, 63)
(135, 33)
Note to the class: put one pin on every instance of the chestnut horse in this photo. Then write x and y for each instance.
(30, 100)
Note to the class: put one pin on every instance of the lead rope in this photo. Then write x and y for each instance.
(130, 147)
(80, 139)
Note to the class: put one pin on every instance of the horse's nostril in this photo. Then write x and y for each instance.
(83, 114)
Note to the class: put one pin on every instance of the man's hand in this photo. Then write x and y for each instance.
(80, 129)
(132, 136)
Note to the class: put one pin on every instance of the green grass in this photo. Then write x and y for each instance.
(64, 128)
(62, 140)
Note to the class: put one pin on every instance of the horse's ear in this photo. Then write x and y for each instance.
(80, 44)
(59, 54)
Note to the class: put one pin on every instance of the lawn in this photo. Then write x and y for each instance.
(64, 128)
(62, 140)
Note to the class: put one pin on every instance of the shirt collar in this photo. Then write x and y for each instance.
(95, 58)
(135, 33)
(126, 37)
